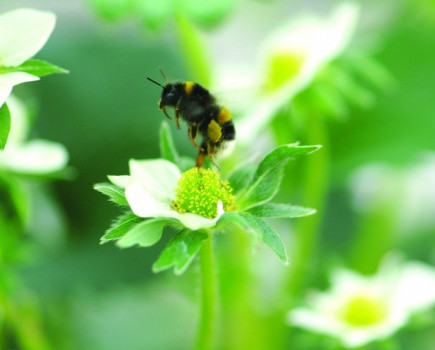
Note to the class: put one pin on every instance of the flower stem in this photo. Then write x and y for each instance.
(314, 194)
(208, 296)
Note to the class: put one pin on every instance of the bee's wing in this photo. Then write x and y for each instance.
(237, 99)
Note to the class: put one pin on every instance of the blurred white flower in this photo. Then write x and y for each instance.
(292, 57)
(359, 309)
(150, 190)
(410, 191)
(35, 157)
(23, 32)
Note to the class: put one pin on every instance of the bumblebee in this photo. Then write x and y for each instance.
(198, 108)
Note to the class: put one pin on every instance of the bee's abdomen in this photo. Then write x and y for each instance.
(224, 119)
(228, 131)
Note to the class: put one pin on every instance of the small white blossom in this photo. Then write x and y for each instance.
(35, 157)
(23, 32)
(150, 191)
(359, 309)
(410, 191)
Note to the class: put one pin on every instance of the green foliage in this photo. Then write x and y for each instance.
(180, 251)
(267, 234)
(114, 193)
(240, 177)
(275, 210)
(35, 67)
(267, 178)
(121, 226)
(5, 125)
(144, 234)
(167, 146)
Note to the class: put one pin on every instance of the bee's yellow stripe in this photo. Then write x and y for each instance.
(224, 116)
(214, 131)
(188, 87)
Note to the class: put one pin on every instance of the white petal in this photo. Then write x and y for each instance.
(121, 181)
(34, 157)
(319, 40)
(23, 33)
(9, 80)
(20, 121)
(195, 222)
(143, 204)
(415, 290)
(158, 177)
(314, 321)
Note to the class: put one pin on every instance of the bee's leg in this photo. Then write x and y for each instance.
(200, 159)
(166, 112)
(177, 117)
(193, 133)
(211, 150)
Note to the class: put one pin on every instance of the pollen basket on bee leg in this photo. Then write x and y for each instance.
(214, 131)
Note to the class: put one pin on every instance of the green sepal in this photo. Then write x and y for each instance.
(145, 233)
(35, 67)
(228, 220)
(180, 251)
(5, 125)
(240, 177)
(242, 221)
(121, 226)
(267, 179)
(167, 145)
(278, 210)
(114, 193)
(264, 231)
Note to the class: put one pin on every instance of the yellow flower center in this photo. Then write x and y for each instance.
(364, 310)
(199, 191)
(282, 67)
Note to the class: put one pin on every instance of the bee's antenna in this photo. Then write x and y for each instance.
(155, 82)
(164, 75)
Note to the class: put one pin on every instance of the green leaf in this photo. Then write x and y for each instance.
(167, 146)
(5, 125)
(275, 210)
(253, 227)
(114, 193)
(145, 233)
(228, 220)
(180, 251)
(121, 226)
(267, 234)
(240, 177)
(272, 239)
(35, 67)
(268, 176)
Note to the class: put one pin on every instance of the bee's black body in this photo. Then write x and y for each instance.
(197, 107)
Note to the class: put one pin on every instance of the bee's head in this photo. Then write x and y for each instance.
(171, 94)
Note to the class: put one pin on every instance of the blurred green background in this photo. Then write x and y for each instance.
(104, 112)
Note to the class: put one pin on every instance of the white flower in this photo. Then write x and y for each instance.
(410, 191)
(305, 46)
(150, 191)
(36, 157)
(359, 309)
(23, 32)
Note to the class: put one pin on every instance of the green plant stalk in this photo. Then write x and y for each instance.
(376, 234)
(239, 328)
(194, 51)
(316, 174)
(208, 296)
